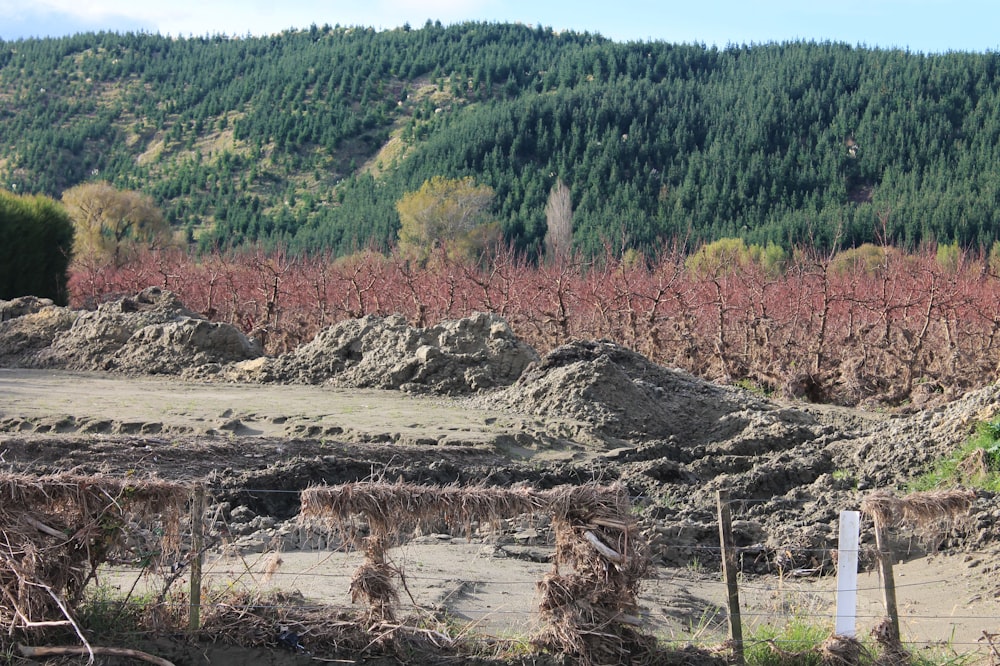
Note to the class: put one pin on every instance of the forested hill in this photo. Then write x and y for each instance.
(311, 137)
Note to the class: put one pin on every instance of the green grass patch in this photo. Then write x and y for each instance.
(976, 464)
(107, 611)
(798, 643)
(793, 643)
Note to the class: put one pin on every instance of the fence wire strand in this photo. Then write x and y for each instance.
(655, 601)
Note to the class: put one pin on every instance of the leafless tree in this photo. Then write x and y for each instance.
(559, 221)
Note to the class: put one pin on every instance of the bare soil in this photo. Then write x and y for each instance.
(465, 403)
(947, 600)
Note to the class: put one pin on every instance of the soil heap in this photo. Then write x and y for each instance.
(153, 333)
(454, 357)
(620, 397)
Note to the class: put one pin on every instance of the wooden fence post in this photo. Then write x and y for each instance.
(888, 582)
(197, 548)
(729, 573)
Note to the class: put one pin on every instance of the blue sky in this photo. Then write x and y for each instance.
(928, 26)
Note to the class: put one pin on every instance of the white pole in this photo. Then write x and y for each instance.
(847, 574)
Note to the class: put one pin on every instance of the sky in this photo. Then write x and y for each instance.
(928, 26)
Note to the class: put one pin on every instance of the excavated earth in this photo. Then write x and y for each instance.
(143, 385)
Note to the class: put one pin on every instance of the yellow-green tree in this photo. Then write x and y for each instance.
(111, 223)
(726, 254)
(866, 258)
(950, 257)
(449, 213)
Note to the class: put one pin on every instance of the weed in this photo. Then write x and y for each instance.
(107, 611)
(755, 388)
(976, 463)
(798, 643)
(709, 622)
(794, 643)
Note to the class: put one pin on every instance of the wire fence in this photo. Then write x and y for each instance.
(487, 583)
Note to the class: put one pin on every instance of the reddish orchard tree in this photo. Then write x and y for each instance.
(890, 331)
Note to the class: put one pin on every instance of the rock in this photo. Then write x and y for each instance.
(241, 514)
(23, 305)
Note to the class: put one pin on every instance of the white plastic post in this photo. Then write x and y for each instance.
(847, 574)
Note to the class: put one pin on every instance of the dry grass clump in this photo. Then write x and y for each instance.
(588, 602)
(931, 514)
(372, 581)
(891, 650)
(254, 619)
(395, 508)
(58, 529)
(929, 509)
(841, 651)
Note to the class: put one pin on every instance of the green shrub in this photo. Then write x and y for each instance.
(36, 242)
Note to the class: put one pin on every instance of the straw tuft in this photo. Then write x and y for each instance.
(932, 510)
(59, 529)
(842, 651)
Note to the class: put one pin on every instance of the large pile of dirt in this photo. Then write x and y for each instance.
(28, 326)
(455, 357)
(620, 397)
(151, 333)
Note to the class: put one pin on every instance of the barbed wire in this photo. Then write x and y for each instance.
(501, 611)
(788, 587)
(783, 588)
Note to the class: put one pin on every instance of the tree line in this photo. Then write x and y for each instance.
(282, 140)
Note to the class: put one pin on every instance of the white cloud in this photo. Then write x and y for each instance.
(182, 17)
(95, 9)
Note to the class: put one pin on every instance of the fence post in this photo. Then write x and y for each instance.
(888, 582)
(729, 573)
(197, 548)
(847, 574)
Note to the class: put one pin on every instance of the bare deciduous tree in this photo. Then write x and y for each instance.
(559, 221)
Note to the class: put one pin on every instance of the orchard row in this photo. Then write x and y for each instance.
(896, 331)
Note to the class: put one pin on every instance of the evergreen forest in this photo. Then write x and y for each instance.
(307, 139)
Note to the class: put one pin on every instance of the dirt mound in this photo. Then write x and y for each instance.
(23, 305)
(896, 449)
(619, 395)
(452, 358)
(791, 486)
(29, 325)
(151, 333)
